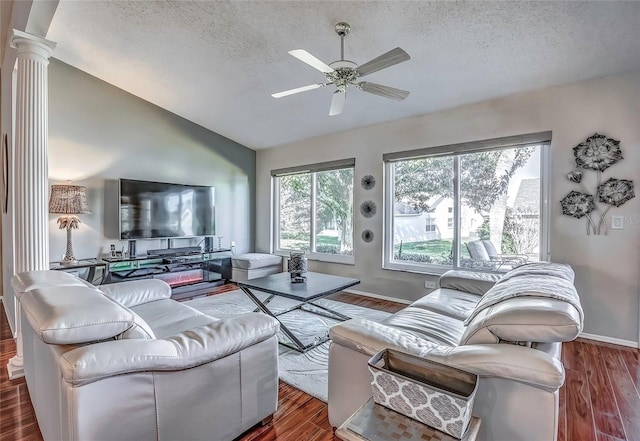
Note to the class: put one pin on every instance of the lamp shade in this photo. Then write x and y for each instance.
(68, 199)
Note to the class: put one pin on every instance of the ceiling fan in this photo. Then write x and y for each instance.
(344, 73)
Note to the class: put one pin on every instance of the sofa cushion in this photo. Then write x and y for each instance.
(450, 302)
(468, 281)
(137, 292)
(542, 287)
(524, 319)
(29, 280)
(433, 326)
(547, 269)
(168, 317)
(139, 329)
(534, 303)
(73, 315)
(255, 260)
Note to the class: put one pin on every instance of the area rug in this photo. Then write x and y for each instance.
(308, 371)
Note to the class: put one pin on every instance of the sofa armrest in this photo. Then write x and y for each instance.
(518, 363)
(473, 282)
(187, 349)
(137, 292)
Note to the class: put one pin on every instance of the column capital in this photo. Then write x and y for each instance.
(29, 43)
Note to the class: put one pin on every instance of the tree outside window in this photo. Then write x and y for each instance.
(498, 200)
(315, 212)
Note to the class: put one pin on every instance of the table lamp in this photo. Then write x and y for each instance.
(68, 200)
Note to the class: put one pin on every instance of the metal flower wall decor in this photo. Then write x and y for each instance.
(596, 153)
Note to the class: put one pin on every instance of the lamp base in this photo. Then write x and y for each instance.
(69, 222)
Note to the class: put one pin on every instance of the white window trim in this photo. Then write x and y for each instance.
(275, 226)
(423, 268)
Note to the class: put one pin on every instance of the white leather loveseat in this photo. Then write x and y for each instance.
(125, 362)
(508, 330)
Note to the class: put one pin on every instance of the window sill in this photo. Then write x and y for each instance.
(416, 269)
(320, 257)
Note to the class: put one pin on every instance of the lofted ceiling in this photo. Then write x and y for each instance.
(216, 63)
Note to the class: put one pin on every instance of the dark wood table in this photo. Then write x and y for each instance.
(316, 287)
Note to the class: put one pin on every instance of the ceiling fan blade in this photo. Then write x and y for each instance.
(298, 90)
(312, 61)
(391, 58)
(385, 91)
(337, 102)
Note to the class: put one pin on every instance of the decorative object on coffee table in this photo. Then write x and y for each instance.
(368, 182)
(298, 266)
(596, 153)
(70, 201)
(437, 395)
(368, 209)
(367, 236)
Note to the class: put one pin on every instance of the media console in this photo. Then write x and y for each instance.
(188, 273)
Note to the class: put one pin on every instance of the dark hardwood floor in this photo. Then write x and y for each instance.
(599, 401)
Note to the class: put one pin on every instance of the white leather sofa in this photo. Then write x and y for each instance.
(125, 362)
(507, 330)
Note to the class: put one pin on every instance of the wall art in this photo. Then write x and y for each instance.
(368, 209)
(597, 153)
(368, 182)
(367, 236)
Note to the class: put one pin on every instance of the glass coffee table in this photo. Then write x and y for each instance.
(316, 287)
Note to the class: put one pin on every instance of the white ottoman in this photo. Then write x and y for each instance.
(253, 265)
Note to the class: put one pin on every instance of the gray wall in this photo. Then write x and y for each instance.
(607, 267)
(98, 132)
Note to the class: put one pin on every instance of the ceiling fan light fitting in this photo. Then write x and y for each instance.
(343, 28)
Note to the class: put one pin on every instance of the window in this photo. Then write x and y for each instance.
(313, 210)
(431, 225)
(485, 199)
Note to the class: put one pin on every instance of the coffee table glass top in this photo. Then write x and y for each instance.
(317, 285)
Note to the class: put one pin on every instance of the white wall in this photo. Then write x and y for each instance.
(99, 133)
(607, 267)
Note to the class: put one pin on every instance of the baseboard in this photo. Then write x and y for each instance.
(612, 340)
(378, 296)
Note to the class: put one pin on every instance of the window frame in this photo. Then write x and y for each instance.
(541, 139)
(311, 169)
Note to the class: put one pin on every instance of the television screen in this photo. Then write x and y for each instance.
(156, 209)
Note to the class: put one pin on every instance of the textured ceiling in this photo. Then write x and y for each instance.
(216, 63)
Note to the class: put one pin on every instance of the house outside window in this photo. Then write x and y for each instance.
(492, 195)
(313, 210)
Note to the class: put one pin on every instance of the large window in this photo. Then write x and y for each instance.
(313, 210)
(483, 204)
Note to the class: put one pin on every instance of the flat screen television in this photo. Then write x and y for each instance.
(158, 209)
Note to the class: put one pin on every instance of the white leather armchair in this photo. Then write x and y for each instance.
(129, 363)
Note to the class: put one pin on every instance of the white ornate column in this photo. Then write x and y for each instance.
(31, 180)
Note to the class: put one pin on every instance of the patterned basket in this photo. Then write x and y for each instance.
(435, 394)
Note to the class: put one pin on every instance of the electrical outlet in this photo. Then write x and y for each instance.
(617, 222)
(430, 284)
